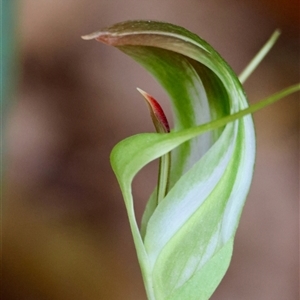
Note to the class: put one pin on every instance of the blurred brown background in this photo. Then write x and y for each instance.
(65, 230)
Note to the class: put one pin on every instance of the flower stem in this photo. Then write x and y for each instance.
(259, 56)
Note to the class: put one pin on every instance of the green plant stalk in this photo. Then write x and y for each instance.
(163, 176)
(139, 246)
(259, 56)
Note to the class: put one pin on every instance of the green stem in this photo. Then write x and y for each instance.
(259, 56)
(139, 245)
(163, 176)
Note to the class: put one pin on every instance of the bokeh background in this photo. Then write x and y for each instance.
(65, 230)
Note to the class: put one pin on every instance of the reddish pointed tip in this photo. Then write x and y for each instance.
(158, 116)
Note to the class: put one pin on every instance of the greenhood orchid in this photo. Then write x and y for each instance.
(184, 244)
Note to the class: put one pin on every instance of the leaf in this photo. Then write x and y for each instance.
(185, 244)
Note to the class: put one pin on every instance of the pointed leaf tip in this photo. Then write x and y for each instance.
(158, 116)
(90, 36)
(100, 36)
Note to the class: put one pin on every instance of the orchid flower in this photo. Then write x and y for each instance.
(185, 242)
